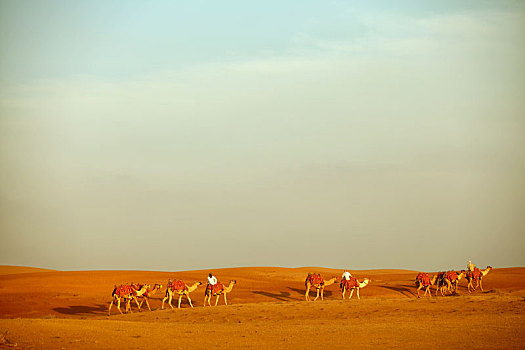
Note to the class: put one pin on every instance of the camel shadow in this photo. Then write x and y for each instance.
(405, 291)
(283, 296)
(327, 293)
(82, 309)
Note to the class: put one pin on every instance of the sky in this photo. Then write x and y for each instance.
(187, 135)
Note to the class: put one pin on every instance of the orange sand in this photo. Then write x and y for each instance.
(60, 309)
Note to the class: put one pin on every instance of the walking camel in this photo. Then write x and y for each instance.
(127, 293)
(316, 281)
(148, 294)
(353, 284)
(423, 280)
(477, 275)
(180, 288)
(217, 290)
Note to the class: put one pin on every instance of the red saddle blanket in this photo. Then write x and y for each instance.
(315, 279)
(351, 283)
(123, 290)
(451, 275)
(217, 288)
(424, 278)
(474, 274)
(177, 285)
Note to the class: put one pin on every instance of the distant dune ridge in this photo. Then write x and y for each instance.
(54, 309)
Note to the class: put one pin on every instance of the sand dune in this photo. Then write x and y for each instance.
(53, 309)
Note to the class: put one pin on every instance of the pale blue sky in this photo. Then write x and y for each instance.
(199, 134)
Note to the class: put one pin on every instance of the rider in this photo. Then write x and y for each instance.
(212, 280)
(346, 276)
(470, 266)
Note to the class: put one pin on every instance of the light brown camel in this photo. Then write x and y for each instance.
(353, 286)
(127, 293)
(148, 294)
(478, 277)
(317, 282)
(448, 281)
(181, 289)
(425, 282)
(217, 290)
(453, 284)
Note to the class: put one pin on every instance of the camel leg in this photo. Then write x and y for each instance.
(480, 284)
(307, 297)
(351, 292)
(163, 300)
(118, 306)
(169, 301)
(137, 302)
(128, 306)
(357, 291)
(205, 296)
(109, 309)
(146, 299)
(189, 299)
(317, 296)
(225, 302)
(180, 298)
(344, 290)
(217, 299)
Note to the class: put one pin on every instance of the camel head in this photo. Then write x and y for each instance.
(489, 268)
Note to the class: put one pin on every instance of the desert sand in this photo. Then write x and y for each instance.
(68, 310)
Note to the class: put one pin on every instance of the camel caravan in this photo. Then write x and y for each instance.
(447, 282)
(348, 283)
(128, 292)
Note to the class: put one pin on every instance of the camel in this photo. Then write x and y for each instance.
(127, 293)
(316, 281)
(423, 281)
(149, 293)
(477, 275)
(217, 290)
(351, 285)
(453, 285)
(440, 283)
(180, 288)
(448, 281)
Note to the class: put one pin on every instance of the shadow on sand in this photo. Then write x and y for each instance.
(82, 309)
(283, 296)
(405, 291)
(327, 293)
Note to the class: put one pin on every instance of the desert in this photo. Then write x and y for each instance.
(48, 309)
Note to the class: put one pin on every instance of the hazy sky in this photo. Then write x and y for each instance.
(199, 134)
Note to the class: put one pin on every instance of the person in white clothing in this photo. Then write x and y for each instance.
(470, 266)
(212, 280)
(346, 275)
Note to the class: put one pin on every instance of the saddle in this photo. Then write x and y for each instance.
(177, 285)
(315, 279)
(351, 283)
(424, 278)
(474, 274)
(123, 290)
(452, 276)
(217, 288)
